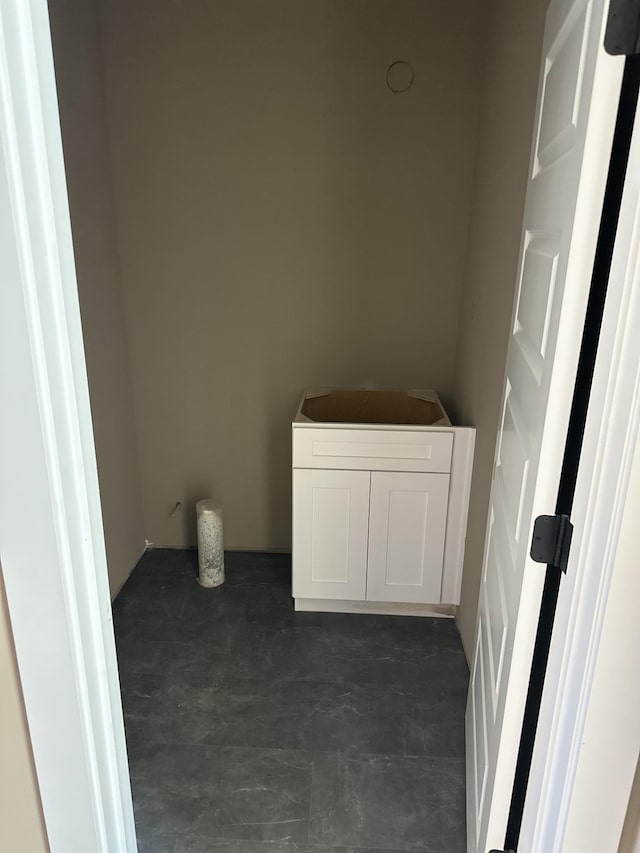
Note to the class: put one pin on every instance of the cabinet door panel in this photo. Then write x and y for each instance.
(407, 523)
(330, 525)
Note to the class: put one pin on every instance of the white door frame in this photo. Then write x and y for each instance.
(611, 437)
(51, 536)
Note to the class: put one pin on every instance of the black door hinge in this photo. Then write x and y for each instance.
(551, 541)
(622, 36)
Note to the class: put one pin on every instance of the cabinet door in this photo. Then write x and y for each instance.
(330, 524)
(407, 522)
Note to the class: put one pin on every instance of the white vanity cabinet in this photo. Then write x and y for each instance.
(379, 509)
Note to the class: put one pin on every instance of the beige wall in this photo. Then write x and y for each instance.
(284, 220)
(21, 822)
(514, 36)
(87, 161)
(630, 840)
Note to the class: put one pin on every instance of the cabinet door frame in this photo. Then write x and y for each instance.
(435, 488)
(307, 579)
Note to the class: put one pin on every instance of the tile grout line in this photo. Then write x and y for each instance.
(355, 754)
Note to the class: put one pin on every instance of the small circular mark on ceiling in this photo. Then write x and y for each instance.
(400, 76)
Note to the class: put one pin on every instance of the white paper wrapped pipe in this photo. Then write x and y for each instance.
(210, 544)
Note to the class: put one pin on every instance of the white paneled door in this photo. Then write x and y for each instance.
(407, 523)
(330, 529)
(579, 87)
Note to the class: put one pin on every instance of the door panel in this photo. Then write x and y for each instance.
(330, 527)
(407, 524)
(562, 83)
(575, 118)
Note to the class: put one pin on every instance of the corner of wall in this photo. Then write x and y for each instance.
(81, 100)
(513, 53)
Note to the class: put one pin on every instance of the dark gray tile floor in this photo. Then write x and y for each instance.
(255, 729)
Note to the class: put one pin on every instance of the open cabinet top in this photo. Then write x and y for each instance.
(368, 406)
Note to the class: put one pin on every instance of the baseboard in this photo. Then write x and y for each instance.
(382, 608)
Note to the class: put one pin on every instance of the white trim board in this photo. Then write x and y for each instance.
(53, 554)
